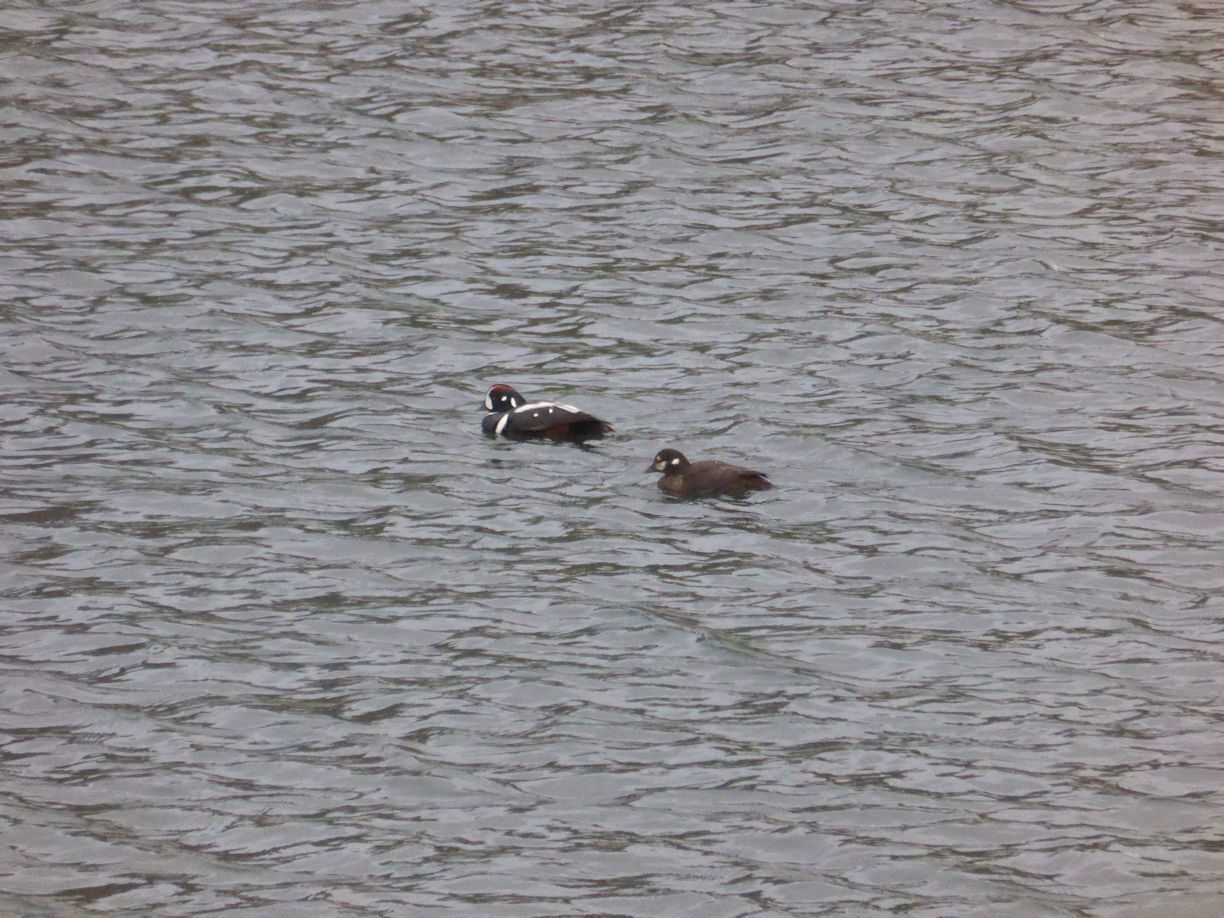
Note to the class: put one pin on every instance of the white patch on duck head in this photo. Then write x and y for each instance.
(504, 396)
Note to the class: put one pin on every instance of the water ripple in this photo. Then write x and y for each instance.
(284, 634)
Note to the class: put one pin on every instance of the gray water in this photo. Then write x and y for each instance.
(283, 635)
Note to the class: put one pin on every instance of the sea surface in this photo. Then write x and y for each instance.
(281, 634)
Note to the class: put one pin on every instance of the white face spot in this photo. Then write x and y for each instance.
(674, 462)
(501, 398)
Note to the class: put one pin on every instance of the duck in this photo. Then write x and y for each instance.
(512, 416)
(708, 478)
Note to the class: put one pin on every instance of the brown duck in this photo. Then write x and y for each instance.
(682, 478)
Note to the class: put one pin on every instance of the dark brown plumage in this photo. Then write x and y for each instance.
(682, 478)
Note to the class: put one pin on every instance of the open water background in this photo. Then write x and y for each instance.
(282, 635)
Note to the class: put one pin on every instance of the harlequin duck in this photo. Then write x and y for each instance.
(682, 478)
(513, 416)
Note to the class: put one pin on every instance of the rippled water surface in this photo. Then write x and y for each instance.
(283, 635)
